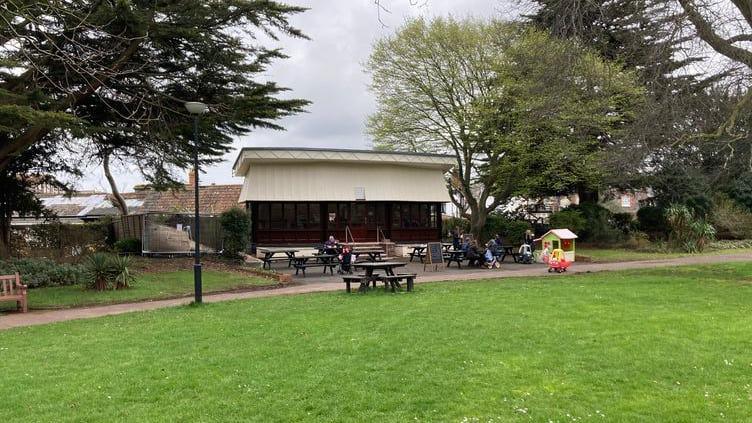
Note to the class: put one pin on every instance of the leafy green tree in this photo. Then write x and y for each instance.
(522, 113)
(236, 227)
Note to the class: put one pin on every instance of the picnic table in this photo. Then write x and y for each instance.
(418, 251)
(389, 278)
(270, 252)
(454, 256)
(374, 254)
(447, 246)
(327, 261)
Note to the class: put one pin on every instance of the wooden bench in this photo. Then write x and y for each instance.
(394, 280)
(303, 266)
(267, 262)
(11, 289)
(355, 279)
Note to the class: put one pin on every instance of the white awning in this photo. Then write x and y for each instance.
(341, 175)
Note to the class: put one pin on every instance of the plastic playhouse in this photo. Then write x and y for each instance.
(558, 239)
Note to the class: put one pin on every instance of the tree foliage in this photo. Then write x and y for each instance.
(521, 112)
(108, 78)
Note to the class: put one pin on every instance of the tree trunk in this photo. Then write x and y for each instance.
(4, 238)
(477, 223)
(119, 200)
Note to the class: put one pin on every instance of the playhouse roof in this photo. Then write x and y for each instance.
(560, 233)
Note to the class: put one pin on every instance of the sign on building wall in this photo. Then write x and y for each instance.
(360, 194)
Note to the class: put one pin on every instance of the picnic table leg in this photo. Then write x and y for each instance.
(410, 284)
(347, 286)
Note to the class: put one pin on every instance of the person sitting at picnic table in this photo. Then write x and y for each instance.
(456, 238)
(498, 241)
(490, 255)
(464, 246)
(473, 255)
(330, 246)
(345, 261)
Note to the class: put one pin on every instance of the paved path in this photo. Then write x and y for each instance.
(50, 316)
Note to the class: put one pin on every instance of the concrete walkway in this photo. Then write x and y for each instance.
(334, 284)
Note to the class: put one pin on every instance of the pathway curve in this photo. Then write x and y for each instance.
(50, 316)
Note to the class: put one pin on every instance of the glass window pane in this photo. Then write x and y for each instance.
(314, 216)
(301, 216)
(396, 216)
(262, 220)
(332, 216)
(358, 214)
(343, 215)
(434, 216)
(289, 216)
(275, 215)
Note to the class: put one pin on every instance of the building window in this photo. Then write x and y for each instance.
(262, 220)
(626, 202)
(276, 219)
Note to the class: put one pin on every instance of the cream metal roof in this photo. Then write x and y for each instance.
(560, 233)
(248, 156)
(341, 175)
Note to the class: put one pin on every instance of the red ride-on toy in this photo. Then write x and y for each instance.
(557, 262)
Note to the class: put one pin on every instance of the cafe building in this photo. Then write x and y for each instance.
(302, 195)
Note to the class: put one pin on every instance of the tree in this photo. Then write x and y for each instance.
(17, 196)
(649, 38)
(109, 78)
(727, 28)
(521, 113)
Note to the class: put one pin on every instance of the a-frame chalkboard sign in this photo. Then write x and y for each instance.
(434, 255)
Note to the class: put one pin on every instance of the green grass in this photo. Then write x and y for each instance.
(652, 345)
(148, 286)
(603, 255)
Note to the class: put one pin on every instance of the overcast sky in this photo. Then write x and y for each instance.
(328, 71)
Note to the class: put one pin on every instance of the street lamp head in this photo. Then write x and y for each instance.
(196, 107)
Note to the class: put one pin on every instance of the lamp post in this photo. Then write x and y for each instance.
(196, 109)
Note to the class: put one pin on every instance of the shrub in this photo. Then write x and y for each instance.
(652, 221)
(511, 230)
(688, 232)
(599, 225)
(569, 219)
(741, 191)
(456, 222)
(128, 245)
(235, 231)
(731, 220)
(38, 273)
(121, 272)
(99, 272)
(623, 222)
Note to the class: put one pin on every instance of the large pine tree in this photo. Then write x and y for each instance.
(110, 77)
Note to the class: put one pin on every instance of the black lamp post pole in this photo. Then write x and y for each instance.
(196, 225)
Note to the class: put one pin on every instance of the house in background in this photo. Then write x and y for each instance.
(87, 206)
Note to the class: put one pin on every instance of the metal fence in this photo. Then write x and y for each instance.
(169, 233)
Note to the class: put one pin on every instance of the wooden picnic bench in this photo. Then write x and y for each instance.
(418, 251)
(11, 289)
(394, 280)
(269, 256)
(327, 261)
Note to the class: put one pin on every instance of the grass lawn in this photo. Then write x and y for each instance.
(603, 255)
(148, 286)
(651, 345)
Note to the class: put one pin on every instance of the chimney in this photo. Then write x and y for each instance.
(191, 178)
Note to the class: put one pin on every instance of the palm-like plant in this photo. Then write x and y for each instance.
(99, 271)
(121, 272)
